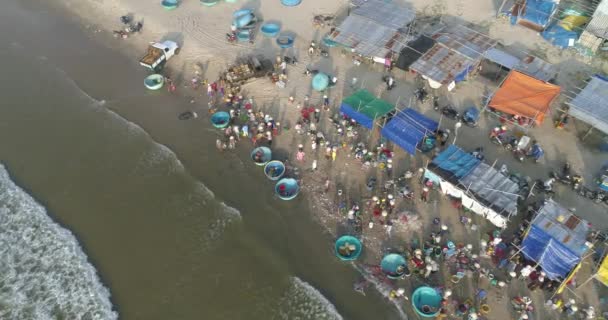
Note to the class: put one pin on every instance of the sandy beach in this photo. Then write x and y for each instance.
(200, 31)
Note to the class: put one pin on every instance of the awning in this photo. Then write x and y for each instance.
(364, 108)
(501, 58)
(525, 96)
(407, 128)
(590, 104)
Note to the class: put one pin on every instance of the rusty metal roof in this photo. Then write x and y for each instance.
(375, 28)
(457, 49)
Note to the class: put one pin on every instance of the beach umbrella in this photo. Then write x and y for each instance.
(320, 81)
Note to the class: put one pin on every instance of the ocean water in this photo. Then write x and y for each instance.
(45, 273)
(111, 207)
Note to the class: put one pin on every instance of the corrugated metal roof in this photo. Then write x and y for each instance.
(598, 25)
(537, 68)
(387, 14)
(465, 41)
(457, 49)
(502, 58)
(493, 188)
(441, 64)
(563, 226)
(590, 104)
(375, 28)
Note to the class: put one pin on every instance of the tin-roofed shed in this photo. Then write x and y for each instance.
(457, 51)
(375, 29)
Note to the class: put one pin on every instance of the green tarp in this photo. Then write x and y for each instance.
(364, 108)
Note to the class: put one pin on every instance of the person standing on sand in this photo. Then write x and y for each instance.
(425, 193)
(269, 137)
(209, 91)
(317, 115)
(300, 154)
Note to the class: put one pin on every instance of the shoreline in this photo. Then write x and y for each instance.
(327, 218)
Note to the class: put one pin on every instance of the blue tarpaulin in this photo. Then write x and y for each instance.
(456, 161)
(408, 128)
(463, 75)
(555, 259)
(559, 36)
(361, 119)
(539, 11)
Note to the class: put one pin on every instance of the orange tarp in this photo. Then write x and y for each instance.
(525, 96)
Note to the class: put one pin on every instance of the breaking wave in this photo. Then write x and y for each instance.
(303, 301)
(44, 273)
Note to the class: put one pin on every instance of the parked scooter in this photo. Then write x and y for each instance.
(536, 152)
(470, 117)
(545, 187)
(449, 112)
(421, 95)
(390, 82)
(231, 36)
(567, 178)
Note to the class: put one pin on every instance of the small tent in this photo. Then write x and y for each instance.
(556, 240)
(524, 96)
(363, 107)
(407, 128)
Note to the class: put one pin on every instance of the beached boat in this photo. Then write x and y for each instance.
(274, 170)
(243, 35)
(285, 41)
(270, 29)
(170, 4)
(261, 155)
(320, 81)
(220, 119)
(154, 81)
(209, 3)
(426, 302)
(394, 266)
(243, 17)
(287, 188)
(328, 42)
(291, 3)
(348, 248)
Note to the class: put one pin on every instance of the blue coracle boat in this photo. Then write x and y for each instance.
(287, 188)
(274, 170)
(220, 119)
(348, 248)
(261, 155)
(394, 265)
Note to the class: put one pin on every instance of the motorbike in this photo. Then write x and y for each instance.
(390, 82)
(567, 178)
(421, 95)
(449, 112)
(231, 36)
(520, 147)
(545, 187)
(470, 117)
(311, 71)
(502, 139)
(536, 152)
(290, 60)
(321, 20)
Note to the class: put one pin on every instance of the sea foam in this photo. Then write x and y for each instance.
(303, 301)
(44, 273)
